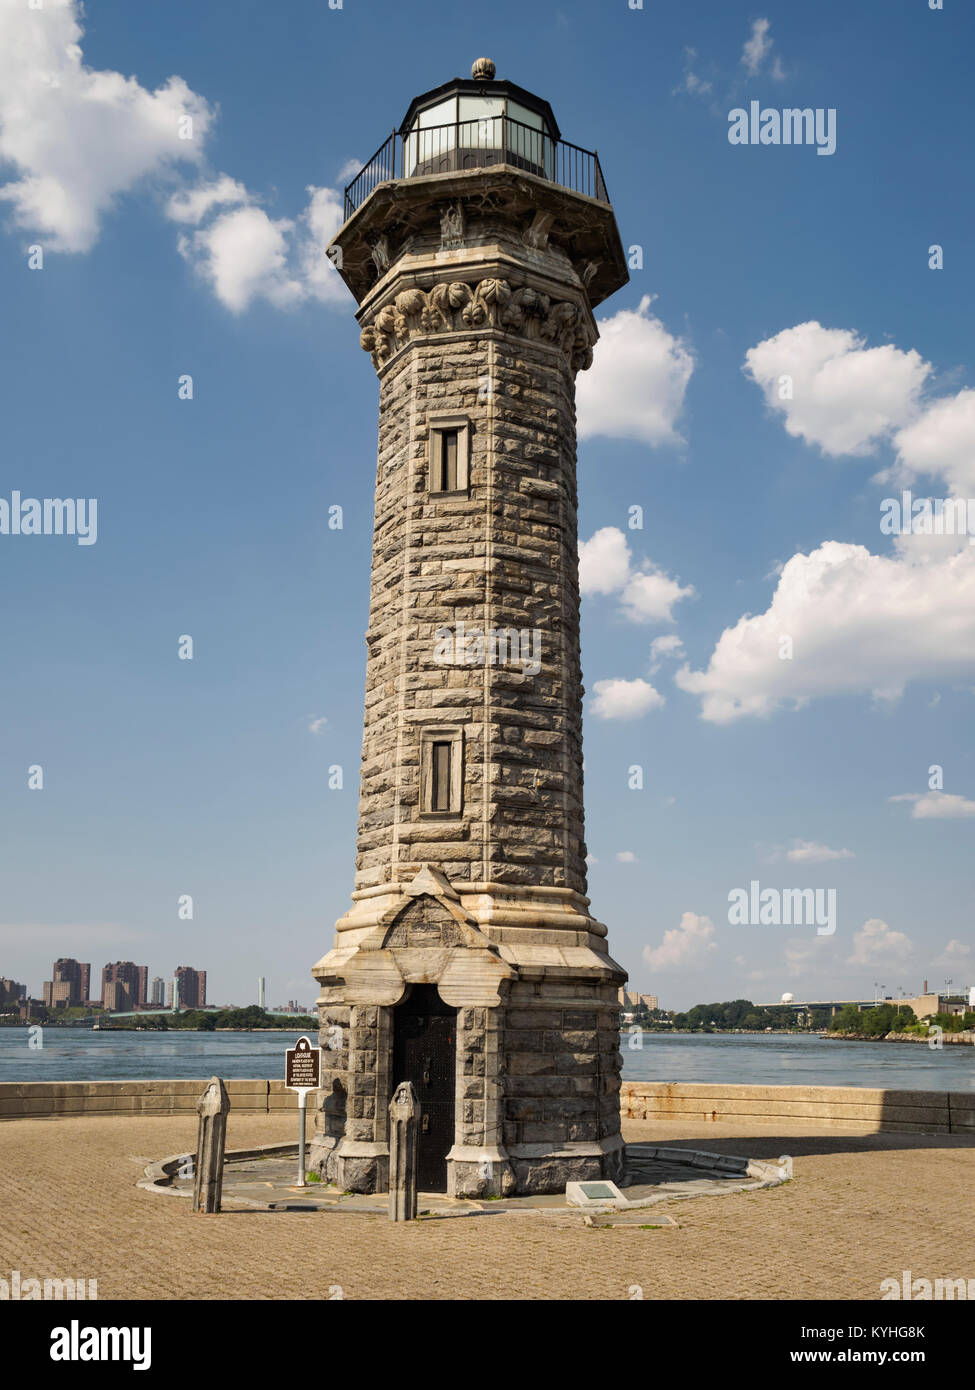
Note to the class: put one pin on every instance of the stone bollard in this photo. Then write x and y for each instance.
(404, 1132)
(212, 1108)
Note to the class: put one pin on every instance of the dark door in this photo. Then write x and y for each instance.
(424, 1052)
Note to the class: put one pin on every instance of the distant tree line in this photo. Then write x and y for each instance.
(200, 1021)
(895, 1018)
(743, 1014)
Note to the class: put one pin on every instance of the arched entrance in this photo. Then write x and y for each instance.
(425, 1052)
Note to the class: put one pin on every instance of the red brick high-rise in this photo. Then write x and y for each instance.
(192, 987)
(134, 977)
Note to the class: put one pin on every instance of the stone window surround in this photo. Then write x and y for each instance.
(454, 735)
(438, 426)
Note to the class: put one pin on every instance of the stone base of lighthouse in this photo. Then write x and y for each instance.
(500, 1003)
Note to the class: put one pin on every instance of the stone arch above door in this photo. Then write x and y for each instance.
(423, 937)
(423, 922)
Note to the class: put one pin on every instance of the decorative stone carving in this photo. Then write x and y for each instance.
(379, 251)
(456, 305)
(452, 227)
(423, 923)
(536, 235)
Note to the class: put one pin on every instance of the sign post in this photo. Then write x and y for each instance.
(302, 1073)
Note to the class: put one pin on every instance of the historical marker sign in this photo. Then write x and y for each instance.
(303, 1066)
(302, 1073)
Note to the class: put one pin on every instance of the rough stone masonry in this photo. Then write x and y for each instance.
(476, 274)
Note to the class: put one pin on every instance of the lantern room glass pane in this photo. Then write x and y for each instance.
(481, 108)
(481, 130)
(529, 144)
(525, 116)
(444, 113)
(430, 147)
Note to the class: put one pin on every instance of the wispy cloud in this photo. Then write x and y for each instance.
(937, 805)
(757, 47)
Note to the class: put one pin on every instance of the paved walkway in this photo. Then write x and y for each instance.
(860, 1208)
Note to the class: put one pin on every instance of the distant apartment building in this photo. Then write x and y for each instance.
(116, 997)
(10, 991)
(191, 987)
(158, 992)
(169, 994)
(630, 1000)
(261, 992)
(69, 985)
(134, 977)
(57, 994)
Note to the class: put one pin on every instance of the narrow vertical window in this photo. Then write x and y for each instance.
(440, 777)
(448, 461)
(448, 455)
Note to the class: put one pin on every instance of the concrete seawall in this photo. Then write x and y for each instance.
(923, 1112)
(918, 1112)
(40, 1099)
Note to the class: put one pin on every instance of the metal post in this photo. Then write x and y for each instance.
(302, 1097)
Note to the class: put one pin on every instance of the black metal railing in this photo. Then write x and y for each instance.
(445, 149)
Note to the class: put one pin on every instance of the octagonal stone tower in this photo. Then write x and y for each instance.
(476, 244)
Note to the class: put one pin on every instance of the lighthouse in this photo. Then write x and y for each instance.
(477, 243)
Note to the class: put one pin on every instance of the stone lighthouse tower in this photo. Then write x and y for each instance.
(477, 242)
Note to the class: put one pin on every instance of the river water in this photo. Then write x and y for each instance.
(77, 1054)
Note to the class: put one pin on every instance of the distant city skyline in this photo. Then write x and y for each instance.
(125, 988)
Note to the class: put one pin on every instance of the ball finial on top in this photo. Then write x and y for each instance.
(483, 70)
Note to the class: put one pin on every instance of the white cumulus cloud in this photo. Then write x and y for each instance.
(833, 391)
(635, 388)
(194, 204)
(647, 593)
(877, 944)
(857, 623)
(686, 945)
(619, 699)
(649, 596)
(845, 398)
(604, 562)
(666, 648)
(955, 953)
(76, 138)
(244, 254)
(940, 444)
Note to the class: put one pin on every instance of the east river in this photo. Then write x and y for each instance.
(78, 1054)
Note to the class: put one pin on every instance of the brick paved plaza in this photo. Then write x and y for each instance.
(860, 1208)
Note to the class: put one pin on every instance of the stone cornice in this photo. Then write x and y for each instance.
(464, 306)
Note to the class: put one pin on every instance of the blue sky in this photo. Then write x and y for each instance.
(164, 257)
